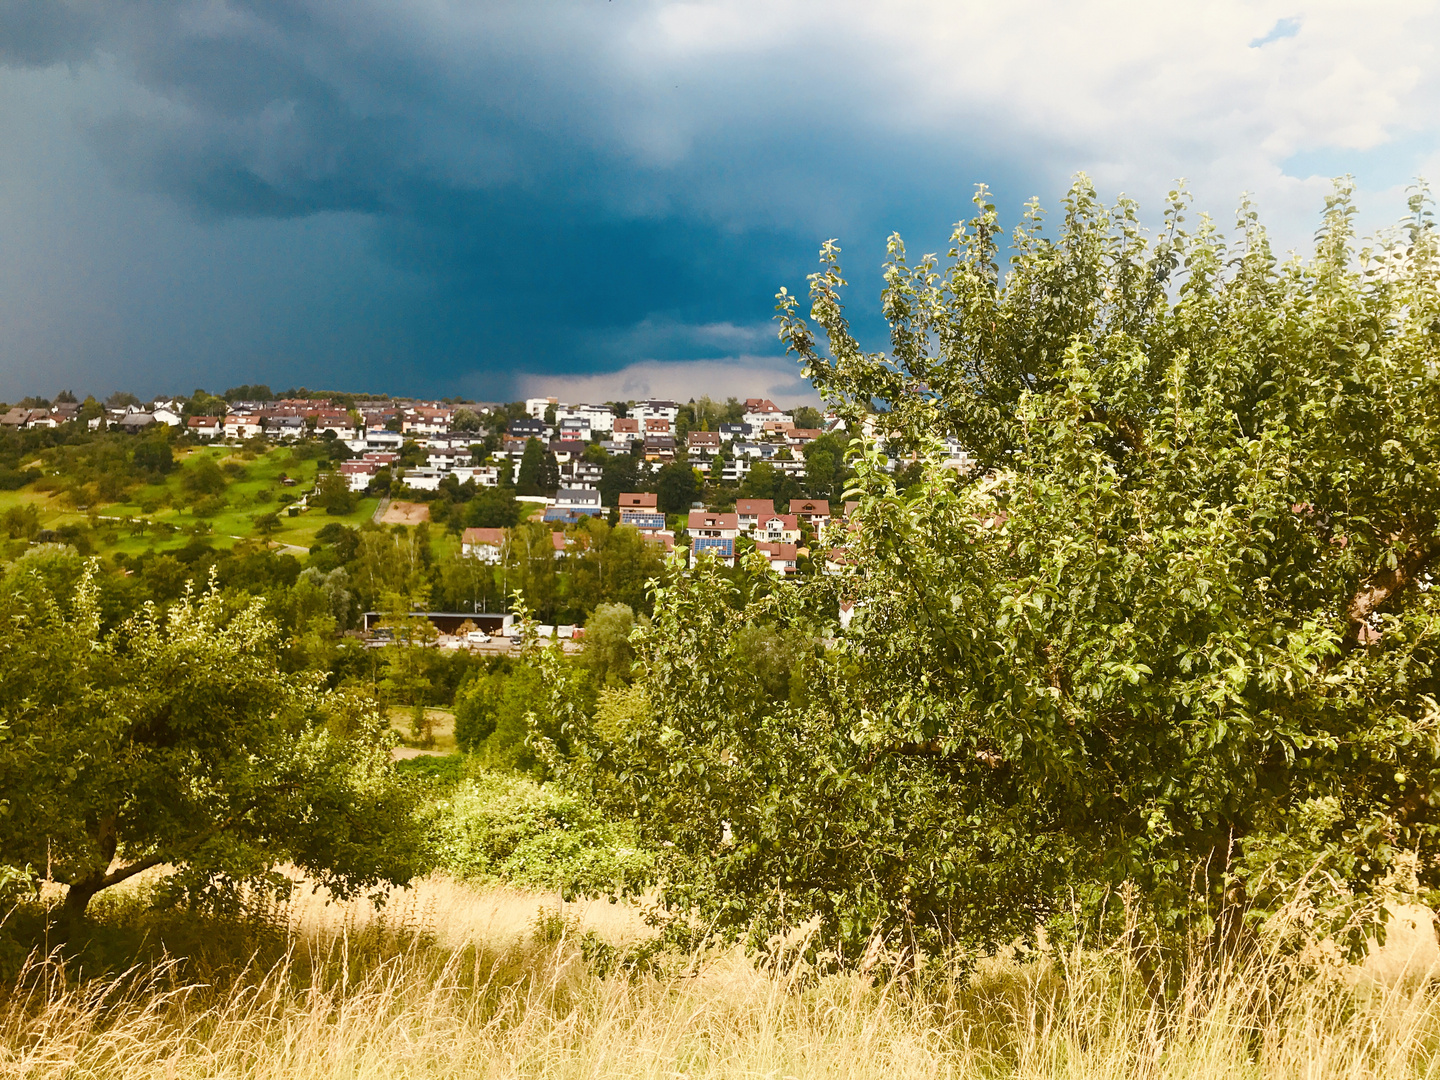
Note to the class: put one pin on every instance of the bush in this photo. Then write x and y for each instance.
(14, 479)
(514, 830)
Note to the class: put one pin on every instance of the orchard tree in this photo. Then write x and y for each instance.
(179, 739)
(1175, 632)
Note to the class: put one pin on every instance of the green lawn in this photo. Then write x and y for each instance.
(248, 497)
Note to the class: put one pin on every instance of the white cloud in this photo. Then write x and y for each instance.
(739, 376)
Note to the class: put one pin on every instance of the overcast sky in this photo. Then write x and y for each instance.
(601, 198)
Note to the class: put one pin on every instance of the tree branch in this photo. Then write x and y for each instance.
(1385, 584)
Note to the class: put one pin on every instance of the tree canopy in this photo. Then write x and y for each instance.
(179, 738)
(1176, 630)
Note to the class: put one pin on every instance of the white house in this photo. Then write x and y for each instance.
(600, 416)
(359, 473)
(781, 557)
(423, 479)
(168, 417)
(482, 475)
(655, 410)
(536, 406)
(487, 545)
(242, 427)
(713, 533)
(759, 411)
(748, 512)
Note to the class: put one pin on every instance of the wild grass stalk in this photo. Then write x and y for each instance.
(457, 983)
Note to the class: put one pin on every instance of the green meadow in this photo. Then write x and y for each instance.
(165, 515)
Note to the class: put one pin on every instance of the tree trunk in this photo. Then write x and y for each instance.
(77, 897)
(105, 837)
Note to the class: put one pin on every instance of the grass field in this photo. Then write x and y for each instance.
(254, 493)
(449, 981)
(442, 725)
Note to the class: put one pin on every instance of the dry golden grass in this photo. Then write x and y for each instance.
(442, 727)
(453, 982)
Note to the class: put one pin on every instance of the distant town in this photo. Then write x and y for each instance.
(546, 451)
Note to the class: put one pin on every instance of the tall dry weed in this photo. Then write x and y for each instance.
(453, 982)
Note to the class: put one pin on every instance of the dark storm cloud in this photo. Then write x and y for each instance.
(493, 167)
(428, 190)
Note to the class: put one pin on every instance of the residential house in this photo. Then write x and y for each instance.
(288, 428)
(958, 458)
(626, 430)
(445, 460)
(375, 418)
(778, 529)
(168, 416)
(16, 418)
(572, 504)
(581, 474)
(535, 407)
(814, 511)
(487, 545)
(781, 557)
(480, 476)
(206, 427)
(423, 479)
(713, 534)
(759, 411)
(425, 421)
(136, 421)
(656, 425)
(338, 422)
(703, 444)
(797, 437)
(528, 428)
(380, 439)
(639, 509)
(839, 560)
(573, 427)
(730, 432)
(749, 512)
(566, 450)
(656, 410)
(600, 416)
(239, 426)
(358, 474)
(42, 418)
(659, 448)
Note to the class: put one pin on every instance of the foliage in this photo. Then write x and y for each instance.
(610, 563)
(153, 454)
(677, 486)
(492, 508)
(178, 738)
(203, 477)
(608, 653)
(510, 829)
(334, 494)
(1176, 633)
(490, 712)
(538, 473)
(764, 481)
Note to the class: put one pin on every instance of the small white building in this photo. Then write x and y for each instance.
(423, 479)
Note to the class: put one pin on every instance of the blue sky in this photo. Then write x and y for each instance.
(601, 198)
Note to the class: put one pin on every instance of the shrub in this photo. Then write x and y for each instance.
(511, 829)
